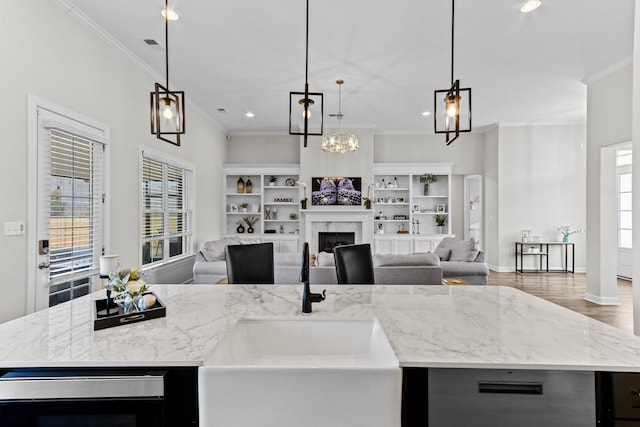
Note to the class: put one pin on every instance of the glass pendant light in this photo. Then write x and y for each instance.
(340, 142)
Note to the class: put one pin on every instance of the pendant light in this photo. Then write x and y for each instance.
(340, 142)
(454, 103)
(167, 106)
(310, 115)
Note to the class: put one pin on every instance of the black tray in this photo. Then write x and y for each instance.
(117, 317)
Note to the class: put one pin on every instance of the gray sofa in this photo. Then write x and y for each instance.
(462, 260)
(413, 269)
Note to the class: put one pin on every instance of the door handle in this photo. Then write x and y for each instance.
(44, 265)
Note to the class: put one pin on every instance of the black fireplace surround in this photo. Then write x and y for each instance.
(329, 240)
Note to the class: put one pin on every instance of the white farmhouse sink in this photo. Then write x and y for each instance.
(303, 372)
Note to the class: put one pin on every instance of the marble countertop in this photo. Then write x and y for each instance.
(427, 326)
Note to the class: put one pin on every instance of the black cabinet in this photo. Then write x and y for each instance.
(618, 399)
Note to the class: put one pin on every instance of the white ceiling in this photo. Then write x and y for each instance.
(247, 55)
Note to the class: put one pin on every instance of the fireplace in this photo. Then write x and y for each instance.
(328, 241)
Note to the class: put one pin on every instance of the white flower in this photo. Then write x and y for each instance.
(567, 231)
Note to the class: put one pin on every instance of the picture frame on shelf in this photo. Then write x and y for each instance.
(440, 208)
(379, 199)
(416, 208)
(233, 208)
(399, 199)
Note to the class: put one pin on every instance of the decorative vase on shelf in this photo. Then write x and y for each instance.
(565, 238)
(303, 204)
(440, 229)
(240, 185)
(248, 186)
(240, 229)
(250, 229)
(426, 190)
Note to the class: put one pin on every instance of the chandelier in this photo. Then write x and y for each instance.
(340, 142)
(456, 100)
(167, 106)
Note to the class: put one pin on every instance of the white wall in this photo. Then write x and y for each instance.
(271, 149)
(491, 201)
(47, 53)
(541, 185)
(609, 100)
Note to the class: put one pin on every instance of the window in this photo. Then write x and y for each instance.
(624, 199)
(74, 203)
(167, 196)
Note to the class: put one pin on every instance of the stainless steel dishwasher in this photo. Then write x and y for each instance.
(510, 398)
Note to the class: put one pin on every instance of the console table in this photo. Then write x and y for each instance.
(541, 250)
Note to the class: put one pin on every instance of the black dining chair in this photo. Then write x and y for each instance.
(250, 264)
(354, 264)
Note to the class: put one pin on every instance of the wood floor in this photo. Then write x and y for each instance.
(568, 290)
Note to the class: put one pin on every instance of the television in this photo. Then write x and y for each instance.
(344, 191)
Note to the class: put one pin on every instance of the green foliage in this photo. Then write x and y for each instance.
(441, 220)
(428, 178)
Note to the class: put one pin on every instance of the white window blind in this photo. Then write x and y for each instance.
(167, 209)
(75, 206)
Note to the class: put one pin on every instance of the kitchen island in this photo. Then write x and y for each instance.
(457, 327)
(427, 326)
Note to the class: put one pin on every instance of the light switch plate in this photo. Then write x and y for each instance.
(14, 228)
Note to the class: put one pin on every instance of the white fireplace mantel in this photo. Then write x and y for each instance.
(361, 219)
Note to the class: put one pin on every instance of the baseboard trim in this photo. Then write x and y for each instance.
(601, 300)
(513, 270)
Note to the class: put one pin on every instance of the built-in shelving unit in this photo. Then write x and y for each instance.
(274, 201)
(404, 211)
(402, 205)
(403, 215)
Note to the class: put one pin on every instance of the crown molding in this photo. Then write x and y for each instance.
(72, 11)
(608, 70)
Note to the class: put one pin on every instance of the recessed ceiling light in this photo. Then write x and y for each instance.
(173, 16)
(426, 113)
(530, 6)
(250, 114)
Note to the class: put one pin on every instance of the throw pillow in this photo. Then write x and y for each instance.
(465, 251)
(443, 253)
(325, 259)
(214, 249)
